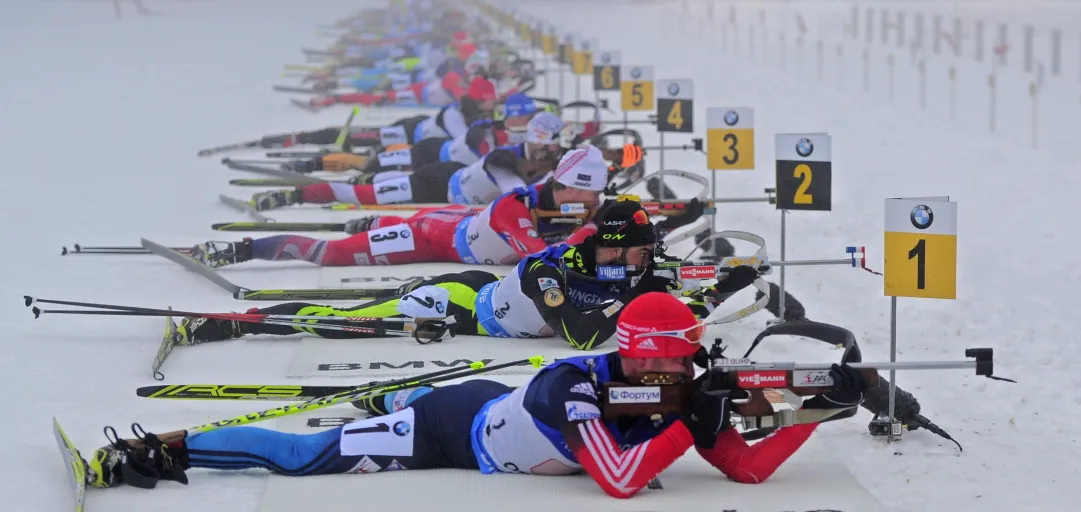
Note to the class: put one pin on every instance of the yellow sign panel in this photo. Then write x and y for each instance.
(921, 248)
(729, 138)
(583, 63)
(549, 44)
(636, 89)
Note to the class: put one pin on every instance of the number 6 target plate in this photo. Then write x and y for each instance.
(804, 171)
(921, 248)
(730, 138)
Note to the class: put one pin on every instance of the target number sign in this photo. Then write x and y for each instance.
(636, 89)
(606, 70)
(921, 248)
(804, 171)
(729, 138)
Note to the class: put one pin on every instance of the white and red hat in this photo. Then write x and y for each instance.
(656, 325)
(583, 168)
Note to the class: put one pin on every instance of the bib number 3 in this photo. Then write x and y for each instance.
(391, 239)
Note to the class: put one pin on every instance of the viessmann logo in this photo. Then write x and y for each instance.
(702, 272)
(763, 379)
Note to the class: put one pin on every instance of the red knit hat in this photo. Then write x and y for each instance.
(481, 89)
(656, 325)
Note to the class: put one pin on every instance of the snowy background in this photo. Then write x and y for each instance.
(100, 118)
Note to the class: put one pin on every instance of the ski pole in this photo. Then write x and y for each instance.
(352, 395)
(80, 249)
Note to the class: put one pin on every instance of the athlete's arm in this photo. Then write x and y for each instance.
(753, 464)
(454, 123)
(501, 164)
(569, 405)
(512, 220)
(582, 330)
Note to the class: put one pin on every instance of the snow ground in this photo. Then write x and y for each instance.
(92, 105)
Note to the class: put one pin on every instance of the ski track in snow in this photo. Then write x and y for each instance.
(100, 119)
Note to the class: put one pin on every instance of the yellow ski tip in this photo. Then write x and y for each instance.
(476, 365)
(537, 361)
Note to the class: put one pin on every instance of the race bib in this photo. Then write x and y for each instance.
(391, 239)
(400, 81)
(401, 157)
(383, 435)
(425, 302)
(405, 96)
(391, 135)
(396, 190)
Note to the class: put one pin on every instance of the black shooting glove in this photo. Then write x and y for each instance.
(847, 390)
(706, 414)
(650, 282)
(692, 212)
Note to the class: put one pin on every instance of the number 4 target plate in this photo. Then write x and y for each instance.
(921, 248)
(730, 138)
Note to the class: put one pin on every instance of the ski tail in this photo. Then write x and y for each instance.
(238, 392)
(75, 465)
(168, 341)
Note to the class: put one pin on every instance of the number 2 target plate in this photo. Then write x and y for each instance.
(730, 138)
(921, 248)
(804, 171)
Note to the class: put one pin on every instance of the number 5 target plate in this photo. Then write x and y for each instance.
(636, 88)
(730, 138)
(804, 171)
(921, 248)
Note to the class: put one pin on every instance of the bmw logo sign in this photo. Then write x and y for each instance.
(606, 58)
(731, 118)
(673, 89)
(921, 216)
(804, 147)
(401, 428)
(636, 73)
(406, 234)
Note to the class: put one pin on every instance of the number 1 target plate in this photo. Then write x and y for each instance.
(730, 138)
(921, 248)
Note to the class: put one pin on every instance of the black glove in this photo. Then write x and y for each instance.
(650, 282)
(706, 415)
(738, 278)
(847, 390)
(692, 212)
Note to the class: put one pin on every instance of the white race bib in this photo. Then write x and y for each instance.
(395, 190)
(425, 302)
(396, 158)
(400, 81)
(391, 239)
(383, 435)
(390, 135)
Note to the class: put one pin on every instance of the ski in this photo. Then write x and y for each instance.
(280, 226)
(302, 90)
(243, 206)
(168, 341)
(81, 249)
(262, 182)
(238, 392)
(230, 147)
(311, 294)
(304, 105)
(73, 460)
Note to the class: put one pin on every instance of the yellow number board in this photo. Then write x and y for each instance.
(729, 138)
(636, 89)
(921, 248)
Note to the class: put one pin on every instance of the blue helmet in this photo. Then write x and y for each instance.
(519, 104)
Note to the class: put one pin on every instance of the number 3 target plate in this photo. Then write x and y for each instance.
(730, 138)
(921, 248)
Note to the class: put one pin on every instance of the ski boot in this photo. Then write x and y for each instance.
(196, 330)
(793, 308)
(276, 199)
(354, 226)
(139, 463)
(220, 254)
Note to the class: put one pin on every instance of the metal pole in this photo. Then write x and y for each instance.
(781, 299)
(907, 365)
(794, 263)
(893, 359)
(577, 97)
(713, 218)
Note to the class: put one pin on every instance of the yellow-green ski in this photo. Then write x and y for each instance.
(74, 463)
